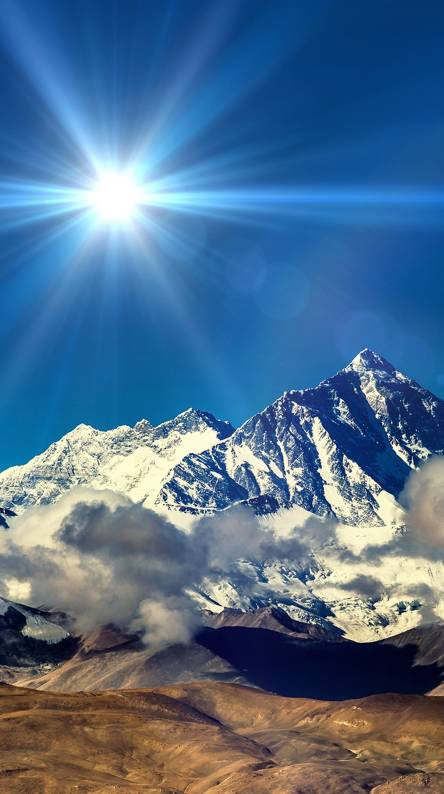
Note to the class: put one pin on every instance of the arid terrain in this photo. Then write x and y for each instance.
(257, 703)
(264, 649)
(213, 738)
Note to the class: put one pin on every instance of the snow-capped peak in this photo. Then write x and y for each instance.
(368, 360)
(143, 426)
(343, 448)
(133, 460)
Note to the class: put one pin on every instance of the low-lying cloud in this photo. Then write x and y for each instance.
(365, 586)
(104, 559)
(422, 536)
(423, 497)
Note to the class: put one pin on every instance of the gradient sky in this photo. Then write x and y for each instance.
(226, 307)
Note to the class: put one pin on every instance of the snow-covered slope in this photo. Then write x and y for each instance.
(33, 623)
(337, 585)
(132, 460)
(343, 448)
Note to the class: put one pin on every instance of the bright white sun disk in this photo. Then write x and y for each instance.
(115, 197)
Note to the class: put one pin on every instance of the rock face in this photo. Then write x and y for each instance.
(5, 514)
(31, 640)
(343, 448)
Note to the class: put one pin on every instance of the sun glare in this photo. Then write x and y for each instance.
(115, 197)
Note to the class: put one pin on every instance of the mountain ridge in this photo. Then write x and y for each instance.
(85, 456)
(343, 448)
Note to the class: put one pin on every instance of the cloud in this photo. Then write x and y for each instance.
(104, 559)
(365, 586)
(167, 621)
(419, 596)
(422, 536)
(427, 601)
(423, 497)
(98, 558)
(237, 533)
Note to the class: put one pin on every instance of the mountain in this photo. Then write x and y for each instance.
(31, 640)
(111, 658)
(132, 460)
(215, 738)
(263, 648)
(343, 448)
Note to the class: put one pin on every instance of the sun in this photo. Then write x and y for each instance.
(115, 197)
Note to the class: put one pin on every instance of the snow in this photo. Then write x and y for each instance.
(36, 626)
(326, 592)
(40, 629)
(132, 460)
(343, 448)
(340, 450)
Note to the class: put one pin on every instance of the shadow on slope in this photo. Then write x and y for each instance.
(324, 670)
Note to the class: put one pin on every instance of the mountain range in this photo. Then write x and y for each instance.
(285, 684)
(233, 711)
(343, 448)
(132, 460)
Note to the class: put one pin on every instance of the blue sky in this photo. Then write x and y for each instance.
(222, 306)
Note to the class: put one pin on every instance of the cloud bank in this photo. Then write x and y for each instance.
(423, 497)
(104, 559)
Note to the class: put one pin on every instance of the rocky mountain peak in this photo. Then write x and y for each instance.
(143, 426)
(368, 360)
(343, 448)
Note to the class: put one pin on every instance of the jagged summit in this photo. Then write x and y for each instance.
(368, 359)
(198, 415)
(80, 429)
(143, 426)
(343, 448)
(192, 411)
(366, 362)
(132, 460)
